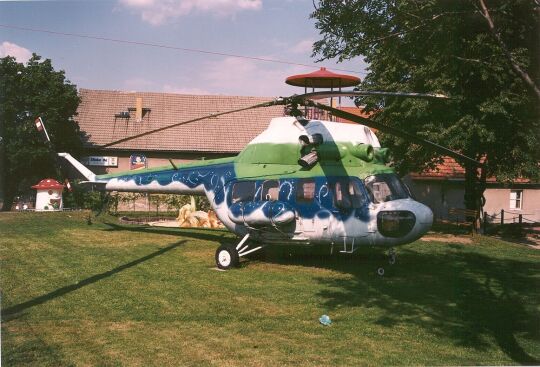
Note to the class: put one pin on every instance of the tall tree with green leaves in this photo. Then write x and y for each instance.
(27, 92)
(484, 54)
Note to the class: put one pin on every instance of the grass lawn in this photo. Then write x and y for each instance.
(108, 294)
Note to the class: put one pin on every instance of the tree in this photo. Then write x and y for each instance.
(485, 56)
(27, 92)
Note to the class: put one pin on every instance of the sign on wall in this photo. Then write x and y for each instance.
(137, 161)
(102, 161)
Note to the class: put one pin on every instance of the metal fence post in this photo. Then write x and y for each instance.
(485, 222)
(502, 216)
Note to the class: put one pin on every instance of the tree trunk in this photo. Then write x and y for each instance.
(7, 201)
(474, 192)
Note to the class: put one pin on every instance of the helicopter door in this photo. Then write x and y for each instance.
(243, 192)
(308, 207)
(350, 210)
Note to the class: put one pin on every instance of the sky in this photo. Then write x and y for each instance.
(269, 29)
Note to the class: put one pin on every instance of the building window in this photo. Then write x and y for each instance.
(516, 199)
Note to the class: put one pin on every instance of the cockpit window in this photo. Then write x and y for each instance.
(349, 194)
(385, 187)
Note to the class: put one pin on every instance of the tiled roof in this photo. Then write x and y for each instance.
(449, 169)
(224, 134)
(452, 170)
(355, 111)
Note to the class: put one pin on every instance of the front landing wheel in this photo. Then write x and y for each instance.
(227, 257)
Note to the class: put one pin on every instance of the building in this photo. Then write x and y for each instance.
(443, 188)
(108, 116)
(48, 195)
(105, 117)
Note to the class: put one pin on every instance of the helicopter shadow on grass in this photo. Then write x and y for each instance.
(199, 233)
(465, 296)
(16, 311)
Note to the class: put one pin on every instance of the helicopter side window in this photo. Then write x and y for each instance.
(270, 190)
(349, 194)
(341, 195)
(243, 191)
(305, 191)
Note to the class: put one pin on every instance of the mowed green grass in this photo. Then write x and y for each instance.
(111, 295)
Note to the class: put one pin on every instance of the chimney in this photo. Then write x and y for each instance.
(138, 109)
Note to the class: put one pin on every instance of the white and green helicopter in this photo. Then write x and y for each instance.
(304, 182)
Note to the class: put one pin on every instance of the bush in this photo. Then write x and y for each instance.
(82, 198)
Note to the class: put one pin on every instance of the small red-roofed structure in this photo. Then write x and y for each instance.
(323, 78)
(49, 194)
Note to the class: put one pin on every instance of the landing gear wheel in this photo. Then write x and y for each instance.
(227, 257)
(380, 271)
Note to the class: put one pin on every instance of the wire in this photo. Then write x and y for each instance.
(157, 45)
(214, 115)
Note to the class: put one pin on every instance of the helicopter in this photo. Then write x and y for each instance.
(300, 182)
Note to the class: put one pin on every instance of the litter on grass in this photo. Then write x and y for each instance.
(325, 320)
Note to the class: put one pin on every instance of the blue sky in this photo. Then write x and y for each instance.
(259, 28)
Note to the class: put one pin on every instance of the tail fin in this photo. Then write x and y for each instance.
(90, 176)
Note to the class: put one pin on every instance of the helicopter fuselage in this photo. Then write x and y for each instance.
(315, 182)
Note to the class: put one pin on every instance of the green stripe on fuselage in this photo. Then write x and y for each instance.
(274, 161)
(195, 164)
(267, 160)
(277, 171)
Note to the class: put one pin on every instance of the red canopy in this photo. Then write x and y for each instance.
(322, 79)
(48, 184)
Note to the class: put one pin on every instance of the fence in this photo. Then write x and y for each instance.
(506, 218)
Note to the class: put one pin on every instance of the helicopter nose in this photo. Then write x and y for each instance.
(424, 216)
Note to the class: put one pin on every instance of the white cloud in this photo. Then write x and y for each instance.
(168, 88)
(139, 84)
(303, 47)
(158, 12)
(20, 53)
(233, 76)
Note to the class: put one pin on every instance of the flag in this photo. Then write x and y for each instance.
(68, 185)
(40, 126)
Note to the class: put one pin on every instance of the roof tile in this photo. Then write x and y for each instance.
(224, 134)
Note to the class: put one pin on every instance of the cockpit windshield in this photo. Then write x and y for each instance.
(386, 187)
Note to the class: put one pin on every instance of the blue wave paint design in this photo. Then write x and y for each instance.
(322, 205)
(219, 179)
(213, 178)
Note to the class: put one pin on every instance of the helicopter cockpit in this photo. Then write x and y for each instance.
(385, 187)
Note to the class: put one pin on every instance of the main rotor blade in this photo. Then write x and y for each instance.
(359, 93)
(265, 104)
(393, 131)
